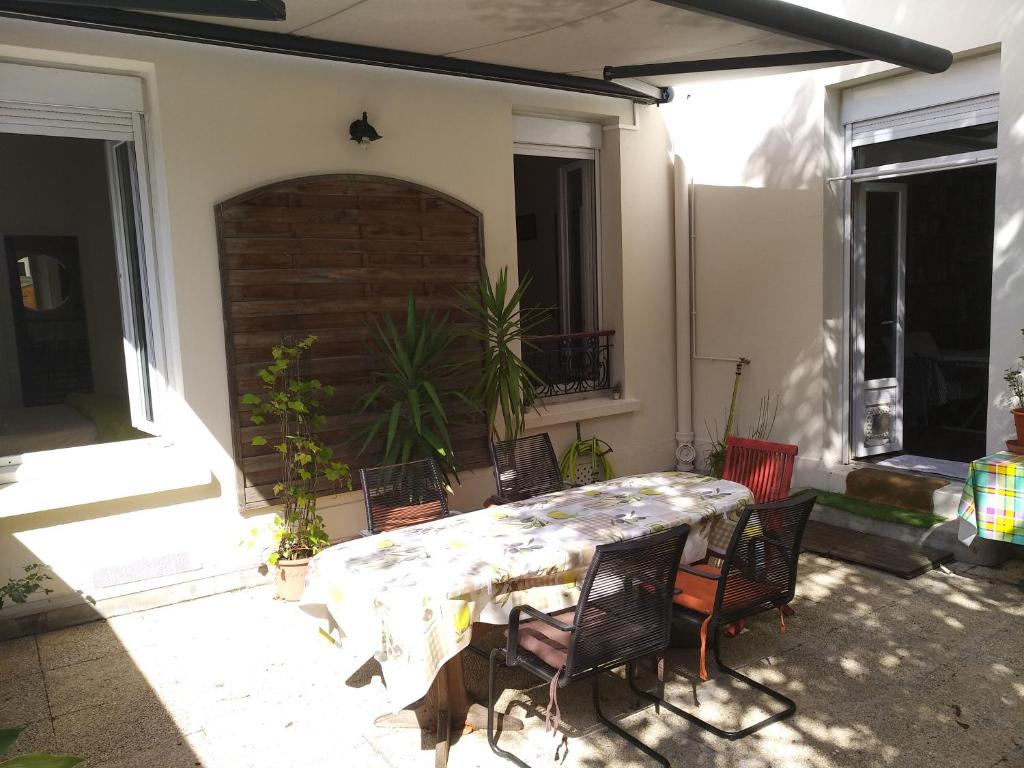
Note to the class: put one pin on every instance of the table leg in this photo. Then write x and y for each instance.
(447, 708)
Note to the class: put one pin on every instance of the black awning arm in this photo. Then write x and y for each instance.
(825, 30)
(111, 19)
(737, 62)
(269, 10)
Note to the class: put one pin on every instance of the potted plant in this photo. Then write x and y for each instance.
(411, 396)
(1014, 378)
(292, 406)
(506, 383)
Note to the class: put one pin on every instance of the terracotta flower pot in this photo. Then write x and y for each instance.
(291, 578)
(1018, 421)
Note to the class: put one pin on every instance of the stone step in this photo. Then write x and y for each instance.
(941, 536)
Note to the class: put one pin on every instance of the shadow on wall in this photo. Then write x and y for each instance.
(791, 154)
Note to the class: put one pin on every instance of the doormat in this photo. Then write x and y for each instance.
(954, 470)
(904, 560)
(894, 489)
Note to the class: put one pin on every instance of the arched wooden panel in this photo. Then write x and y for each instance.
(321, 255)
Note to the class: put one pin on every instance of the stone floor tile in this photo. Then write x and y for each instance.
(22, 700)
(74, 645)
(19, 657)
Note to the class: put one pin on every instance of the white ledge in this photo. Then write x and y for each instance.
(72, 477)
(580, 410)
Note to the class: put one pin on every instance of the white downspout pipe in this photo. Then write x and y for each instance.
(686, 452)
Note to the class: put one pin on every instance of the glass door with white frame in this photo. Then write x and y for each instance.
(876, 363)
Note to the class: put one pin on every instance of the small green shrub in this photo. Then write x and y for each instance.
(18, 590)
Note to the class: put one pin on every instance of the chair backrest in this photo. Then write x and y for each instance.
(625, 606)
(398, 495)
(759, 568)
(525, 467)
(765, 468)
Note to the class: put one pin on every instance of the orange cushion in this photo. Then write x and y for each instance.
(698, 594)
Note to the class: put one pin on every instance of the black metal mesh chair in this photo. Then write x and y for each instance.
(757, 575)
(624, 614)
(398, 495)
(524, 468)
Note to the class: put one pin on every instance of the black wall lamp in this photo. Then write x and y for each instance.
(362, 133)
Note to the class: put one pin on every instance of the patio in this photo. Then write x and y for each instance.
(928, 672)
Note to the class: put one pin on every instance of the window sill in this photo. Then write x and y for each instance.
(580, 410)
(73, 477)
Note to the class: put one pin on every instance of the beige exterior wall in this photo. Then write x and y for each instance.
(768, 226)
(769, 279)
(222, 122)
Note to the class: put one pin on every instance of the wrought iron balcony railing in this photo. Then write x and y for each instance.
(570, 363)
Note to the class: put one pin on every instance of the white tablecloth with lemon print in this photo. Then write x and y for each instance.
(410, 597)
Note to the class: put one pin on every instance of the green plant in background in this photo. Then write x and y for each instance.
(506, 384)
(410, 395)
(592, 451)
(18, 590)
(293, 407)
(1014, 378)
(35, 760)
(768, 410)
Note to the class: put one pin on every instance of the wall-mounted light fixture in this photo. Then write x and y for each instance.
(362, 133)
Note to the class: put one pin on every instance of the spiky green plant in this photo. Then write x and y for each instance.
(506, 384)
(410, 396)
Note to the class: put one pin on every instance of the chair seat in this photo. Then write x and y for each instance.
(698, 594)
(547, 643)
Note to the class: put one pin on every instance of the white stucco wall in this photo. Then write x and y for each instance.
(224, 121)
(768, 236)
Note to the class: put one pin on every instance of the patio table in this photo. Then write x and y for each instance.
(992, 504)
(410, 597)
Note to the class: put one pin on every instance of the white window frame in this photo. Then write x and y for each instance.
(38, 100)
(964, 112)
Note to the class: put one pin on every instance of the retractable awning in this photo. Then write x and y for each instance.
(633, 49)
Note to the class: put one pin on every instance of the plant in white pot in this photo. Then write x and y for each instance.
(1014, 378)
(292, 406)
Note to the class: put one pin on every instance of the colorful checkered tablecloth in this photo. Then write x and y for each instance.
(993, 498)
(409, 597)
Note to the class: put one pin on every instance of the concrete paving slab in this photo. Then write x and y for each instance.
(84, 642)
(22, 700)
(18, 658)
(109, 679)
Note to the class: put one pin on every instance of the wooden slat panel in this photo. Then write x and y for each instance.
(325, 255)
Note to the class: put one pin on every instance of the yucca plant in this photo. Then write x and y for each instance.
(506, 383)
(409, 399)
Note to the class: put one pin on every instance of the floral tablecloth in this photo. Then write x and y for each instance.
(992, 505)
(409, 597)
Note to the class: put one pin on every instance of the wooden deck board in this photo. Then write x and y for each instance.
(898, 558)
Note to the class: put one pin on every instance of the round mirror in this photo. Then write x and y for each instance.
(44, 282)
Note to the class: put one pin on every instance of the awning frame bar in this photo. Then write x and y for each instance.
(825, 30)
(266, 10)
(167, 27)
(799, 58)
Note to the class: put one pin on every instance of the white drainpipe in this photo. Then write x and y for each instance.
(686, 453)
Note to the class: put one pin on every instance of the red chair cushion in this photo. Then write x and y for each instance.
(698, 593)
(547, 643)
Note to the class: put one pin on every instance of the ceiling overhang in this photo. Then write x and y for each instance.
(684, 38)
